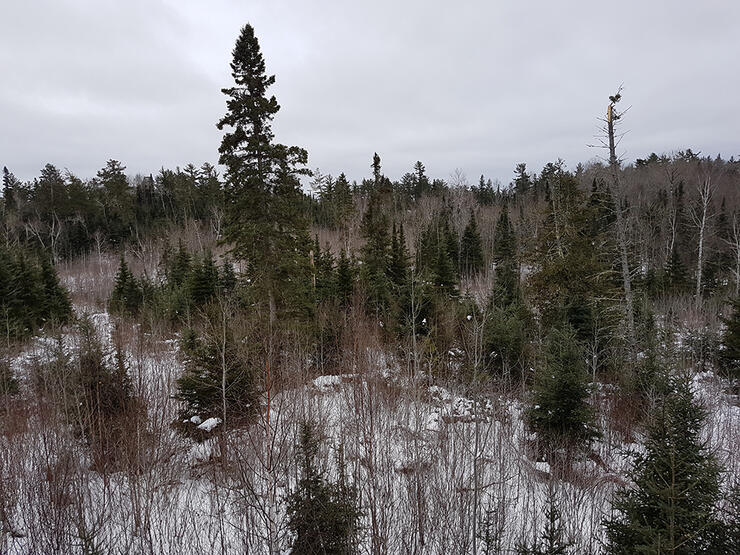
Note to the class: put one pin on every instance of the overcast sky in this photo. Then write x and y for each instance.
(477, 86)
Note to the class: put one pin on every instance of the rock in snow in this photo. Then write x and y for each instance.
(209, 424)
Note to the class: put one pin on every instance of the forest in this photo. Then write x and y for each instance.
(259, 357)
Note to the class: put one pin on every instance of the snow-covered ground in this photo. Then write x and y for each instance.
(429, 464)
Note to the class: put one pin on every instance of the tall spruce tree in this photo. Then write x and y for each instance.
(471, 248)
(266, 221)
(672, 506)
(345, 278)
(375, 253)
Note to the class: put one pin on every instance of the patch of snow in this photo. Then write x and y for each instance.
(209, 424)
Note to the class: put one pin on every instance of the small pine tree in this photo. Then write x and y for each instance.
(180, 267)
(55, 299)
(672, 506)
(102, 399)
(217, 376)
(675, 275)
(560, 411)
(8, 382)
(127, 295)
(227, 278)
(203, 281)
(322, 516)
(26, 299)
(552, 540)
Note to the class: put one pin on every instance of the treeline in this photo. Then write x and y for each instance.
(68, 216)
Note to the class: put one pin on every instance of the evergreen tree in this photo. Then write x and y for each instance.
(444, 273)
(672, 506)
(55, 300)
(676, 277)
(323, 272)
(398, 266)
(471, 248)
(322, 516)
(729, 354)
(8, 382)
(179, 269)
(117, 200)
(522, 181)
(218, 375)
(101, 401)
(203, 281)
(127, 295)
(227, 278)
(375, 254)
(504, 239)
(552, 540)
(560, 412)
(266, 221)
(345, 279)
(26, 299)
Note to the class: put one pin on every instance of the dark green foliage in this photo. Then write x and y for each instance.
(505, 337)
(127, 295)
(266, 213)
(522, 180)
(323, 517)
(97, 397)
(179, 268)
(345, 279)
(731, 518)
(227, 278)
(729, 354)
(8, 382)
(219, 375)
(444, 273)
(551, 540)
(30, 295)
(671, 508)
(484, 192)
(324, 275)
(560, 412)
(203, 281)
(471, 248)
(55, 303)
(675, 276)
(398, 266)
(118, 201)
(504, 239)
(375, 255)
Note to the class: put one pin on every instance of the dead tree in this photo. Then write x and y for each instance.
(612, 117)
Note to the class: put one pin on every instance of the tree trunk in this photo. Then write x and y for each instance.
(621, 228)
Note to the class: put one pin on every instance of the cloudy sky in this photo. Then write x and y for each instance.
(470, 85)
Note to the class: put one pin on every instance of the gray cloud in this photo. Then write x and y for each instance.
(478, 86)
